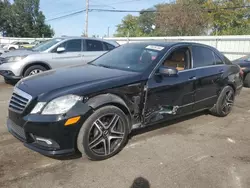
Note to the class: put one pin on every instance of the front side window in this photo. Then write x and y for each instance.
(179, 59)
(94, 45)
(202, 57)
(130, 57)
(46, 45)
(73, 45)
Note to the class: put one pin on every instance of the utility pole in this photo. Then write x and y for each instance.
(87, 18)
(108, 32)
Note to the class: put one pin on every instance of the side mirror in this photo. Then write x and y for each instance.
(60, 49)
(167, 71)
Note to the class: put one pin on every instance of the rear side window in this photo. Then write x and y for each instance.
(227, 61)
(202, 57)
(217, 59)
(108, 46)
(94, 45)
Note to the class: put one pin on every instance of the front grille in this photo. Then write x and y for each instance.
(19, 131)
(19, 100)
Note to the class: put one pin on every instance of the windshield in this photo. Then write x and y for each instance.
(130, 58)
(46, 45)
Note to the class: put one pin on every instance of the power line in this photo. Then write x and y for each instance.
(138, 11)
(67, 15)
(120, 2)
(65, 12)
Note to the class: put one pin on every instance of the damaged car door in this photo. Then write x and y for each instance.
(170, 89)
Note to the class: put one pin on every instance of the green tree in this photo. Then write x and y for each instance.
(4, 10)
(24, 19)
(183, 18)
(129, 27)
(137, 26)
(227, 20)
(146, 22)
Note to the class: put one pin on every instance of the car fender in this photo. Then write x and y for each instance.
(109, 99)
(35, 63)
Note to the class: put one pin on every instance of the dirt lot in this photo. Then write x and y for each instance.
(197, 151)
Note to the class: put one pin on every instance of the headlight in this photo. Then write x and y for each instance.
(59, 105)
(15, 59)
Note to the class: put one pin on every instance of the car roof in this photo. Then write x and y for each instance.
(91, 38)
(167, 44)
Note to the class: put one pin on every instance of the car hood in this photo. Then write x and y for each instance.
(21, 52)
(79, 79)
(241, 62)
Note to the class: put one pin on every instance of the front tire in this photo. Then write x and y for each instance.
(224, 103)
(247, 80)
(103, 134)
(12, 48)
(35, 69)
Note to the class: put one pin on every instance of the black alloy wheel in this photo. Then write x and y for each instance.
(103, 134)
(106, 134)
(225, 102)
(228, 102)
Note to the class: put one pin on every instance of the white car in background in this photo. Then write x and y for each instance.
(14, 45)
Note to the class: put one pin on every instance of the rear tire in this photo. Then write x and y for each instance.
(103, 134)
(35, 69)
(224, 103)
(247, 80)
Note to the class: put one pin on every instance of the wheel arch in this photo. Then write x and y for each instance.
(46, 65)
(231, 84)
(110, 99)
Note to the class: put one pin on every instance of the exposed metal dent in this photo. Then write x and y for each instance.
(159, 114)
(129, 97)
(169, 110)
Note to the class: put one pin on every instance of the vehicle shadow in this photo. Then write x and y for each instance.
(139, 131)
(77, 155)
(161, 125)
(140, 182)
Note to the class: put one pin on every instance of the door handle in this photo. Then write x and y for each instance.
(192, 78)
(221, 71)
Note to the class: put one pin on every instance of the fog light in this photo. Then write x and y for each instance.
(44, 140)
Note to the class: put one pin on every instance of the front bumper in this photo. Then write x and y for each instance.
(11, 71)
(9, 75)
(46, 134)
(28, 138)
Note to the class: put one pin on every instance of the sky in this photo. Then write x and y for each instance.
(99, 22)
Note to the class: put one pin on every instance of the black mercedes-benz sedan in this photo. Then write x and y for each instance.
(93, 108)
(244, 63)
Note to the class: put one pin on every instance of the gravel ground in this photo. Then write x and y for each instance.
(197, 151)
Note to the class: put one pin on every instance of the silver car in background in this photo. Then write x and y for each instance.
(55, 53)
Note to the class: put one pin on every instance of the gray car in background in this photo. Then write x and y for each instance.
(55, 53)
